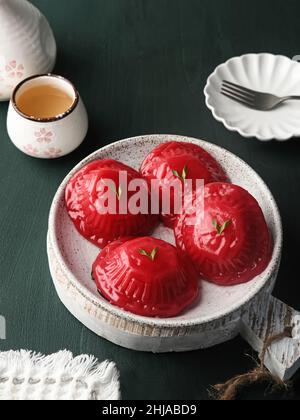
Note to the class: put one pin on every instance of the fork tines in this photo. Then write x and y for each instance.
(238, 93)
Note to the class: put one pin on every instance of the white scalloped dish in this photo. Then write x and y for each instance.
(274, 74)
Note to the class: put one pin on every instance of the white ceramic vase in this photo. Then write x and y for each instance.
(27, 44)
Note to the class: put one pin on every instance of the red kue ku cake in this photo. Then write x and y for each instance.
(229, 242)
(89, 193)
(146, 276)
(179, 161)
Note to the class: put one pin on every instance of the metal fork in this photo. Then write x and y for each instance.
(253, 99)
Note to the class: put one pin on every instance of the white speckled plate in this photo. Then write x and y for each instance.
(71, 256)
(274, 74)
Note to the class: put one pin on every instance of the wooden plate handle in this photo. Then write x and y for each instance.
(267, 317)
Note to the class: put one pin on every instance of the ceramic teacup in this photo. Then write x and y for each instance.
(30, 123)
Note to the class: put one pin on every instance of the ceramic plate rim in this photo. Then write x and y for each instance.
(215, 113)
(158, 322)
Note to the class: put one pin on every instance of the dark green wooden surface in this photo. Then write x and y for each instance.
(141, 66)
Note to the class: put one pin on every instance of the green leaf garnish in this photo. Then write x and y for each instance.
(221, 228)
(144, 253)
(150, 255)
(215, 224)
(184, 174)
(153, 253)
(225, 226)
(118, 192)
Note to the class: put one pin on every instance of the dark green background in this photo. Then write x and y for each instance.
(141, 66)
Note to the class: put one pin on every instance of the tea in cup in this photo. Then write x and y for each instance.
(46, 118)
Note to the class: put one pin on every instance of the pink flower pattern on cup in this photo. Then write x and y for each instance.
(10, 75)
(52, 153)
(44, 136)
(31, 151)
(14, 70)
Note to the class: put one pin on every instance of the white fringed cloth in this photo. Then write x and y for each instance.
(26, 375)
